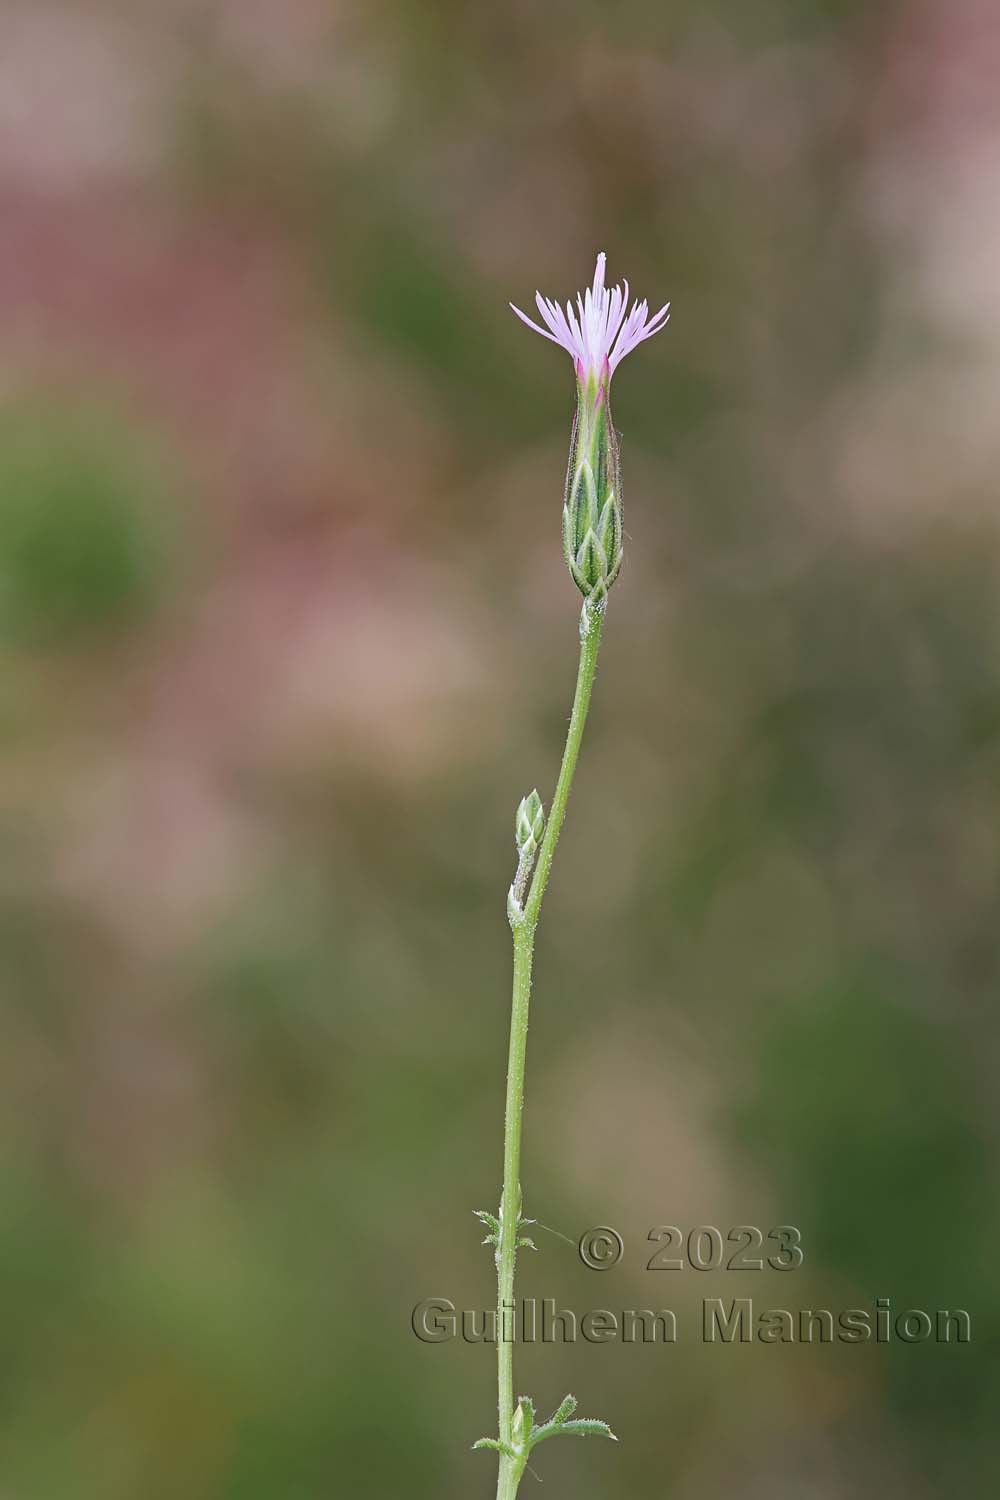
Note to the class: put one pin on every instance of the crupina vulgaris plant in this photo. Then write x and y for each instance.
(597, 334)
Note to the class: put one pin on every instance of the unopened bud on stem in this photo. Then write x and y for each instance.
(529, 825)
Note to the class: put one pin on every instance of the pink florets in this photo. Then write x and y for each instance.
(597, 333)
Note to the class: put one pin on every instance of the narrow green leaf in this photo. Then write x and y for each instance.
(495, 1446)
(565, 1409)
(588, 1427)
(581, 1427)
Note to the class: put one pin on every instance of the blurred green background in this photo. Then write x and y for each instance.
(285, 634)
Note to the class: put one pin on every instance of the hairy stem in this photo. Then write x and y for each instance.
(511, 1469)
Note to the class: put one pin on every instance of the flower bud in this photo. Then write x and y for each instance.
(529, 825)
(592, 512)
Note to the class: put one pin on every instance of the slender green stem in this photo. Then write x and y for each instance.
(524, 925)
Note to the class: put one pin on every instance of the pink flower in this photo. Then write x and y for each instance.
(597, 333)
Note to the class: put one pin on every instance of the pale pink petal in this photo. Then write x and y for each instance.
(598, 332)
(525, 319)
(550, 314)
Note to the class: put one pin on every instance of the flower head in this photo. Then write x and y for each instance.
(597, 333)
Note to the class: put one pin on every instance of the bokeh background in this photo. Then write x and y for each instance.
(285, 633)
